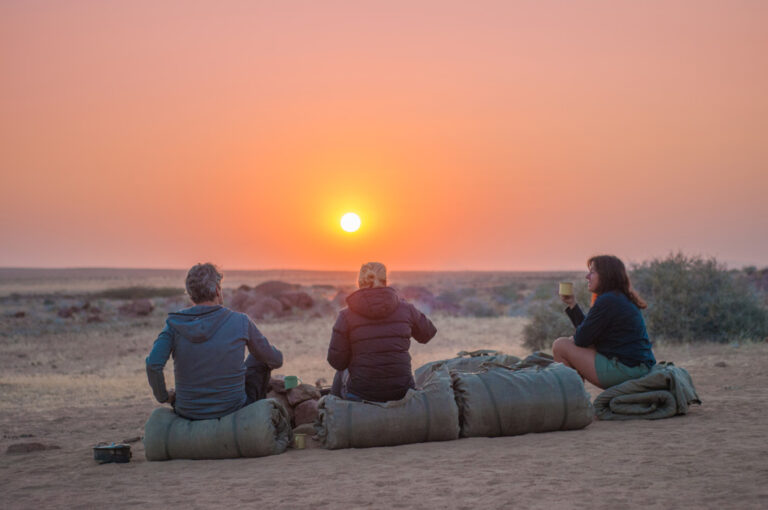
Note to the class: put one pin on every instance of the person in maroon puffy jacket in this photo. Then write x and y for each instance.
(370, 340)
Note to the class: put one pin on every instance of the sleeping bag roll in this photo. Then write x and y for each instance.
(429, 414)
(497, 401)
(259, 429)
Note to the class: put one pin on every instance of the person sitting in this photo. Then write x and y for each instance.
(370, 340)
(610, 344)
(208, 343)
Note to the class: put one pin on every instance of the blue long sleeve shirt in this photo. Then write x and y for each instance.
(615, 326)
(208, 346)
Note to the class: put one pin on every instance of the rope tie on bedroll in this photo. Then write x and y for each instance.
(167, 439)
(429, 419)
(564, 398)
(348, 422)
(234, 435)
(495, 406)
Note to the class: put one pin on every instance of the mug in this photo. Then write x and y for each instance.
(291, 381)
(566, 288)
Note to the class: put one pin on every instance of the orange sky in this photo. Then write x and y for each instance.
(482, 135)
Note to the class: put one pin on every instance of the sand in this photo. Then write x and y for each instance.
(71, 386)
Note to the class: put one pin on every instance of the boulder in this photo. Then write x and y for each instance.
(279, 397)
(137, 308)
(306, 412)
(277, 383)
(241, 300)
(264, 307)
(298, 299)
(301, 393)
(274, 288)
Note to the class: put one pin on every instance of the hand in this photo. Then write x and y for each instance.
(171, 397)
(569, 300)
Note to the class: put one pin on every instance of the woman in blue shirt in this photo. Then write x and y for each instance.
(610, 344)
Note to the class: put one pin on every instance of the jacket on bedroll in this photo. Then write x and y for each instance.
(371, 338)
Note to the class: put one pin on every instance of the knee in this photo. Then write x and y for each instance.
(561, 345)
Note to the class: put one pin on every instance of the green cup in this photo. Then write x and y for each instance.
(291, 381)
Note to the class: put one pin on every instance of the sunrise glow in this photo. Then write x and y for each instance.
(350, 222)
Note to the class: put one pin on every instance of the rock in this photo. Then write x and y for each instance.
(279, 397)
(137, 308)
(244, 288)
(306, 412)
(19, 448)
(301, 393)
(66, 312)
(265, 307)
(305, 428)
(274, 288)
(94, 318)
(299, 299)
(721, 364)
(241, 300)
(277, 383)
(19, 314)
(134, 439)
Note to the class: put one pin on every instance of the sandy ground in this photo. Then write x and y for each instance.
(71, 387)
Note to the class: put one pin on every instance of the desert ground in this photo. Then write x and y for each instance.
(68, 383)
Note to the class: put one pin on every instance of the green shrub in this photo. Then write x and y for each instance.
(695, 299)
(138, 292)
(548, 319)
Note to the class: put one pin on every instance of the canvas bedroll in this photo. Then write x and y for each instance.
(465, 361)
(499, 401)
(666, 391)
(259, 429)
(429, 414)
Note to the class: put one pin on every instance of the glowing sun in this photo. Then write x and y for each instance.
(350, 222)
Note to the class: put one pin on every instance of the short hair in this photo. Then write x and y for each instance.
(372, 274)
(202, 282)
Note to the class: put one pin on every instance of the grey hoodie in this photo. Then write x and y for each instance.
(208, 346)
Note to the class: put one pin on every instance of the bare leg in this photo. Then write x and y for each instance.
(581, 359)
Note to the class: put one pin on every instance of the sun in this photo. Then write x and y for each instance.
(350, 222)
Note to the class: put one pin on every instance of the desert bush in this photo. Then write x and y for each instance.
(695, 299)
(548, 320)
(475, 307)
(139, 292)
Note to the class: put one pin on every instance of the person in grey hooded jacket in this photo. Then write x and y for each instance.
(208, 342)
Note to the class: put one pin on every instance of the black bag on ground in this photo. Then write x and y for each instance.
(499, 401)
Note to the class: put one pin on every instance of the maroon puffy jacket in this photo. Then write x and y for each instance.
(371, 338)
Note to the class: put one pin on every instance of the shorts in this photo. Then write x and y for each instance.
(611, 372)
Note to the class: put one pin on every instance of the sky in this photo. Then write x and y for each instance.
(488, 135)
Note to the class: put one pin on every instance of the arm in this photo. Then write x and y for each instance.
(339, 351)
(422, 328)
(161, 351)
(260, 348)
(575, 314)
(594, 324)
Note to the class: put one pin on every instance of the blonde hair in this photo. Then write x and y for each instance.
(372, 274)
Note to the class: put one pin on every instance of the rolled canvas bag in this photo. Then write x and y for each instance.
(498, 401)
(259, 429)
(429, 414)
(465, 361)
(666, 391)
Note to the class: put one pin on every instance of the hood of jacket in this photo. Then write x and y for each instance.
(198, 323)
(375, 303)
